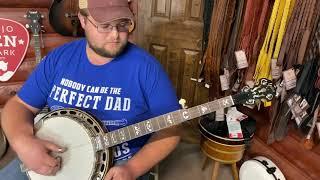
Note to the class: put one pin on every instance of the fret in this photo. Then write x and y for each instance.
(193, 112)
(113, 138)
(142, 128)
(176, 116)
(148, 126)
(198, 108)
(185, 114)
(131, 131)
(162, 123)
(156, 119)
(168, 118)
(164, 119)
(122, 135)
(106, 140)
(137, 130)
(203, 109)
(128, 130)
(37, 47)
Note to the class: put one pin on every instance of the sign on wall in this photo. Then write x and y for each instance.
(14, 41)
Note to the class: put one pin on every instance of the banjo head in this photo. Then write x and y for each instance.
(260, 168)
(74, 129)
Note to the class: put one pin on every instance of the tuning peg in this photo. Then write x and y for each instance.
(25, 16)
(42, 16)
(27, 26)
(182, 102)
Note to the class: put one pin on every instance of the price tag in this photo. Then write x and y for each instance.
(241, 58)
(224, 83)
(235, 114)
(220, 115)
(290, 79)
(276, 70)
(234, 128)
(279, 89)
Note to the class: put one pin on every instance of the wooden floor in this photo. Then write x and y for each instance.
(185, 164)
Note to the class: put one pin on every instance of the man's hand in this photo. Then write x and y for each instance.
(122, 172)
(35, 154)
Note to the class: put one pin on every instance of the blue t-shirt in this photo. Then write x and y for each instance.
(131, 88)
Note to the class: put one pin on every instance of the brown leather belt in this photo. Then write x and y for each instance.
(222, 18)
(253, 31)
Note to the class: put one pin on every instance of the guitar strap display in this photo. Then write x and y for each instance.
(271, 47)
(229, 58)
(309, 12)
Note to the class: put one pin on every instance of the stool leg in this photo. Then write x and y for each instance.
(215, 170)
(235, 171)
(204, 163)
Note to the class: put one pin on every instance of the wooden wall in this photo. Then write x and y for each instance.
(15, 10)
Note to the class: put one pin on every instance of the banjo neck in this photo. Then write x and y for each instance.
(164, 121)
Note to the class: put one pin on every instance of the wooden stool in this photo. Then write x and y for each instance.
(221, 153)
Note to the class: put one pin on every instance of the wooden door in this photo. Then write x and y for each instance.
(171, 30)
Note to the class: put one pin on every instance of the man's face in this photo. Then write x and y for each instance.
(105, 39)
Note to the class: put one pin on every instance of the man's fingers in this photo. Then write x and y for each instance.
(110, 174)
(53, 147)
(46, 170)
(51, 161)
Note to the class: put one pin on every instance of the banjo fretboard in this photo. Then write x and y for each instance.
(161, 122)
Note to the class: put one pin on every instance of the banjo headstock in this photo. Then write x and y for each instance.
(263, 91)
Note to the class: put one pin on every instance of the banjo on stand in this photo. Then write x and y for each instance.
(89, 147)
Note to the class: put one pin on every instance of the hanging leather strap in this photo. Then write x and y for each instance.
(280, 119)
(219, 35)
(271, 46)
(258, 41)
(229, 58)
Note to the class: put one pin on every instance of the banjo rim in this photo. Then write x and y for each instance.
(93, 127)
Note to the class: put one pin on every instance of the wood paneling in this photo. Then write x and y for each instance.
(25, 4)
(50, 41)
(23, 71)
(161, 8)
(17, 14)
(172, 31)
(16, 10)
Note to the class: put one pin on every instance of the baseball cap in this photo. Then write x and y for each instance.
(103, 11)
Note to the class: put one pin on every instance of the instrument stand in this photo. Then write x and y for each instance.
(221, 153)
(216, 167)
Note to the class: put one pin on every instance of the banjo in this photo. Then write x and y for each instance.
(89, 146)
(261, 168)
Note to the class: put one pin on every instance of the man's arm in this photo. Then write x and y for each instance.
(17, 123)
(159, 146)
(17, 120)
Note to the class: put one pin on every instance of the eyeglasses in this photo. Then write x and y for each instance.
(122, 26)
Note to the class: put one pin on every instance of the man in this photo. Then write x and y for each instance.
(135, 88)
